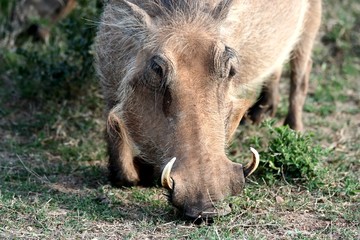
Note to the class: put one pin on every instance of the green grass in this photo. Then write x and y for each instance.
(53, 180)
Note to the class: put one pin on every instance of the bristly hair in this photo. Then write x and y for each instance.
(188, 10)
(173, 6)
(189, 5)
(121, 32)
(176, 6)
(179, 19)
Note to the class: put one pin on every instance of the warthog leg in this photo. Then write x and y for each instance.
(268, 99)
(298, 90)
(122, 171)
(301, 65)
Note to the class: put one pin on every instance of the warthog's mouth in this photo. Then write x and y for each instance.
(209, 214)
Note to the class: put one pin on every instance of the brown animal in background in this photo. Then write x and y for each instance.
(178, 76)
(25, 11)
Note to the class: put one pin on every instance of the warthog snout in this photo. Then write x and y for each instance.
(201, 195)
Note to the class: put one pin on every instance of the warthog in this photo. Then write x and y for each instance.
(178, 76)
(24, 12)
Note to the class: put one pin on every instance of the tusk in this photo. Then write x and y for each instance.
(251, 166)
(166, 181)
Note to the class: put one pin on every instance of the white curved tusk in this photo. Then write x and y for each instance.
(166, 181)
(252, 166)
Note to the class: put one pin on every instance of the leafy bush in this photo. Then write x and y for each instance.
(290, 156)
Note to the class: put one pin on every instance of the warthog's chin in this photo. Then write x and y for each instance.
(207, 214)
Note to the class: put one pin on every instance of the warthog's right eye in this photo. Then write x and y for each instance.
(229, 57)
(225, 61)
(157, 68)
(155, 75)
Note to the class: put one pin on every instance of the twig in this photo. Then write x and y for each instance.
(254, 225)
(283, 175)
(217, 233)
(327, 226)
(46, 181)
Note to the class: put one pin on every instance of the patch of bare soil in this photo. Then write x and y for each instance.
(307, 224)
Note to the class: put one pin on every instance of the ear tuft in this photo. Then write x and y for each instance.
(132, 20)
(134, 10)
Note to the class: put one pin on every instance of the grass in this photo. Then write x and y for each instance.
(53, 163)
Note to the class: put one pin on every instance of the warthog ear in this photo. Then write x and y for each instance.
(135, 19)
(221, 11)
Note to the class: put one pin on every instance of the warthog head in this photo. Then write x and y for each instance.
(174, 86)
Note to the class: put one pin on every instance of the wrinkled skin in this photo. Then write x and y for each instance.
(178, 79)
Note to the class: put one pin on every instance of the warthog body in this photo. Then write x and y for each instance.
(178, 76)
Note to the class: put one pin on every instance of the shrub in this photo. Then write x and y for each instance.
(291, 156)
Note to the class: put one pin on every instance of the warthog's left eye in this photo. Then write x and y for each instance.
(157, 68)
(156, 73)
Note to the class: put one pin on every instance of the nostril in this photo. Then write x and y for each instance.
(198, 221)
(201, 218)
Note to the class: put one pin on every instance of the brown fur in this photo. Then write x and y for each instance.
(178, 76)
